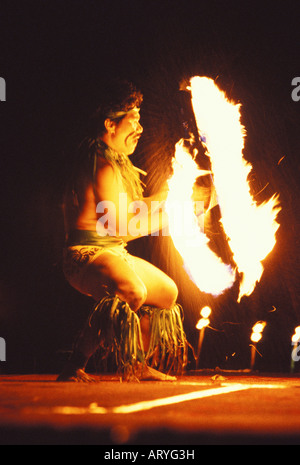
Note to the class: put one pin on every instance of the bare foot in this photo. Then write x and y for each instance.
(150, 374)
(75, 376)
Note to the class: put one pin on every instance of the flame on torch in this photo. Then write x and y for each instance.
(296, 335)
(201, 325)
(255, 337)
(257, 330)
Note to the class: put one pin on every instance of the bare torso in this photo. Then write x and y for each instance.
(81, 207)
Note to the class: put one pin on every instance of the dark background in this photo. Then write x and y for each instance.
(54, 56)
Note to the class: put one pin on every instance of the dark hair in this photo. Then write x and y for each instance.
(117, 95)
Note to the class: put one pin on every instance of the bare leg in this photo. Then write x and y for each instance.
(161, 290)
(136, 283)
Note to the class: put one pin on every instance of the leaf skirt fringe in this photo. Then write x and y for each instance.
(121, 336)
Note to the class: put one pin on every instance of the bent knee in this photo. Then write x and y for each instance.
(134, 294)
(171, 294)
(168, 294)
(175, 291)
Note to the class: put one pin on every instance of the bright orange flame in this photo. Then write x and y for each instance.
(205, 312)
(296, 335)
(250, 227)
(202, 323)
(205, 268)
(256, 337)
(259, 327)
(257, 331)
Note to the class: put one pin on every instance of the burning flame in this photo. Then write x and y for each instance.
(250, 228)
(204, 267)
(257, 330)
(296, 335)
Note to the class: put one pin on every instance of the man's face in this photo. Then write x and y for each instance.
(127, 133)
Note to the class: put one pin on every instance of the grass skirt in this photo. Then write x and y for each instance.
(120, 334)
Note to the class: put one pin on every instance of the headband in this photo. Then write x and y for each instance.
(118, 114)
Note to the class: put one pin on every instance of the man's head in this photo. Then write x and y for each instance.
(116, 120)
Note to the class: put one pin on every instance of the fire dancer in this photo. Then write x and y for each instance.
(131, 294)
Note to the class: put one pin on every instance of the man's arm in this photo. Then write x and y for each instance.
(118, 215)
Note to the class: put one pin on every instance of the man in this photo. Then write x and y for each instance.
(99, 208)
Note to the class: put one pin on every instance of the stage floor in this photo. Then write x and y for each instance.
(196, 409)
